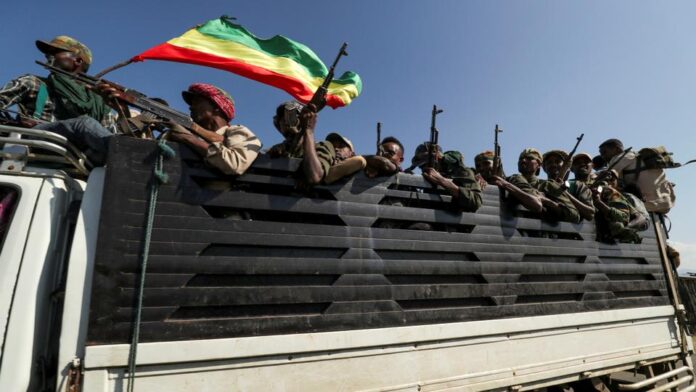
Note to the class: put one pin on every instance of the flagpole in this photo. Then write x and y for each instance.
(113, 68)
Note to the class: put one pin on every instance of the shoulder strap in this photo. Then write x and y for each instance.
(41, 98)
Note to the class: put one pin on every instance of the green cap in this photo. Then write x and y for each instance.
(63, 43)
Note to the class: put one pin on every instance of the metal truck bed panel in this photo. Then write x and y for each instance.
(481, 355)
(265, 258)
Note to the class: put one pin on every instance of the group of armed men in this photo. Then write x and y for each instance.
(84, 115)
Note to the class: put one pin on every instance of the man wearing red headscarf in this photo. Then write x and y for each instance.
(229, 148)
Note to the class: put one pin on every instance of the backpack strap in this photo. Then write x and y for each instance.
(41, 98)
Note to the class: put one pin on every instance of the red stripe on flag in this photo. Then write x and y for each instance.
(294, 87)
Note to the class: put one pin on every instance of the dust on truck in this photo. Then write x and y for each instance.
(252, 285)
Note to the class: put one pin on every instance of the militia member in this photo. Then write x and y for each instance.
(325, 161)
(537, 195)
(581, 200)
(56, 97)
(450, 173)
(388, 160)
(228, 148)
(483, 163)
(61, 104)
(581, 167)
(650, 185)
(617, 219)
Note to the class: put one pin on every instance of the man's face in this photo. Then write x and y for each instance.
(552, 166)
(582, 167)
(67, 61)
(342, 150)
(202, 109)
(527, 166)
(393, 152)
(607, 152)
(484, 167)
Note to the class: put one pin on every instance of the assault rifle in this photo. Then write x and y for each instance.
(565, 169)
(319, 98)
(379, 138)
(434, 136)
(607, 170)
(130, 96)
(432, 144)
(496, 152)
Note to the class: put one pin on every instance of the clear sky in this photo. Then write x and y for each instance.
(544, 70)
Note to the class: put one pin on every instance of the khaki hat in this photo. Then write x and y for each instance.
(582, 155)
(532, 153)
(336, 136)
(63, 43)
(560, 153)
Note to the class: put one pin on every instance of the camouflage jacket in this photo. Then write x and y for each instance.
(452, 166)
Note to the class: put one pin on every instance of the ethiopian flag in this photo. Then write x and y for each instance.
(278, 61)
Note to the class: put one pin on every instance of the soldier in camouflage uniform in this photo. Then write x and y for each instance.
(483, 163)
(61, 104)
(579, 198)
(325, 161)
(537, 195)
(450, 173)
(617, 218)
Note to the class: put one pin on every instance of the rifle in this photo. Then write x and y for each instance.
(608, 169)
(565, 169)
(496, 152)
(132, 97)
(379, 138)
(434, 136)
(319, 98)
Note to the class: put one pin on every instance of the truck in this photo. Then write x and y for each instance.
(157, 273)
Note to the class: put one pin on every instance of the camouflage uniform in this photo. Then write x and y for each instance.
(612, 223)
(550, 189)
(451, 166)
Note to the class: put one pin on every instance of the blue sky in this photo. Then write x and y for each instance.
(544, 70)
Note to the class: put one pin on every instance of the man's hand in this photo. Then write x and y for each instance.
(112, 96)
(433, 176)
(308, 118)
(481, 181)
(177, 129)
(500, 182)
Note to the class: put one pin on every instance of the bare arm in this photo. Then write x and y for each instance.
(530, 201)
(587, 212)
(311, 165)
